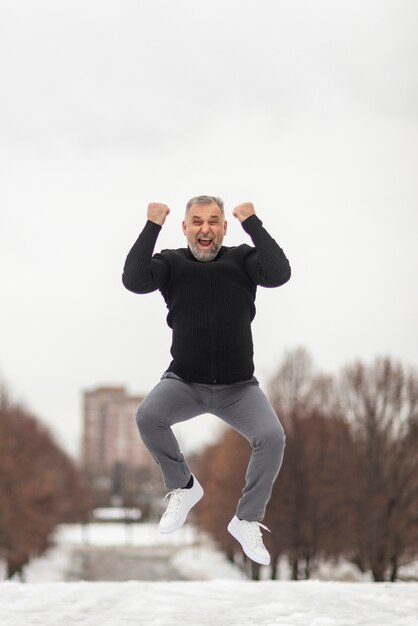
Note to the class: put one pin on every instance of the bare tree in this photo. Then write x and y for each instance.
(40, 486)
(348, 485)
(290, 392)
(381, 406)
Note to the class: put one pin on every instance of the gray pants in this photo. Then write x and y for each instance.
(242, 405)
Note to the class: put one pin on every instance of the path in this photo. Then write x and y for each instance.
(121, 563)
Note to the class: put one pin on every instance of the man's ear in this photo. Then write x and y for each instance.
(184, 226)
(225, 227)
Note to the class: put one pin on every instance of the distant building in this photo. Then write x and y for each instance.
(116, 463)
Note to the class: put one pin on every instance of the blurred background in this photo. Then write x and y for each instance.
(306, 109)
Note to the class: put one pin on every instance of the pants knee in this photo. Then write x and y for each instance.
(145, 420)
(273, 438)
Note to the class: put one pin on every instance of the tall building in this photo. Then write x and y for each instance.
(116, 462)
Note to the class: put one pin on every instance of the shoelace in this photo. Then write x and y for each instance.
(255, 532)
(175, 501)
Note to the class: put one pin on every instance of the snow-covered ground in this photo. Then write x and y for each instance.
(216, 594)
(213, 603)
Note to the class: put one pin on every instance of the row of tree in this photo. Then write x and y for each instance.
(40, 486)
(348, 486)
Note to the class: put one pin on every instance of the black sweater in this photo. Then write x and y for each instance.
(210, 304)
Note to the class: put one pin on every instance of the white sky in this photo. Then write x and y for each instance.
(307, 109)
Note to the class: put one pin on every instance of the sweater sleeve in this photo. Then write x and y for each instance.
(143, 272)
(267, 264)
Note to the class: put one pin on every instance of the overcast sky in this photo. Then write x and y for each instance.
(307, 109)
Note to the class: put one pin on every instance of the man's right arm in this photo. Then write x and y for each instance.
(143, 272)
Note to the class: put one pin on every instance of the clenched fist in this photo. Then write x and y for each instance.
(157, 212)
(244, 210)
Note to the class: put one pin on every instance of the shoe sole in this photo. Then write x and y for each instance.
(246, 550)
(182, 520)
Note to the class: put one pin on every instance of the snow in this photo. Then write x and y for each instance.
(216, 592)
(115, 533)
(205, 563)
(116, 513)
(222, 602)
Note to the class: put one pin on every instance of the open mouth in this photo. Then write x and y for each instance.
(205, 243)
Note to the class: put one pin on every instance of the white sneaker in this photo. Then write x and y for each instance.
(181, 501)
(249, 536)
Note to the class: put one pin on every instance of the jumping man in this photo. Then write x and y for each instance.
(210, 291)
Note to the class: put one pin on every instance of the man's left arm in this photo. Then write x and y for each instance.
(267, 265)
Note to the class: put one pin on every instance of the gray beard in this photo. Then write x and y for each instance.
(204, 256)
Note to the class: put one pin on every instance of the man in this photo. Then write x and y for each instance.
(210, 290)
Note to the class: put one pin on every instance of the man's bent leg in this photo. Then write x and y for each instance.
(170, 402)
(246, 408)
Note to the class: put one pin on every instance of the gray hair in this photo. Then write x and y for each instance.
(205, 200)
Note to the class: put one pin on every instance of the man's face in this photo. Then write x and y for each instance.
(204, 227)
